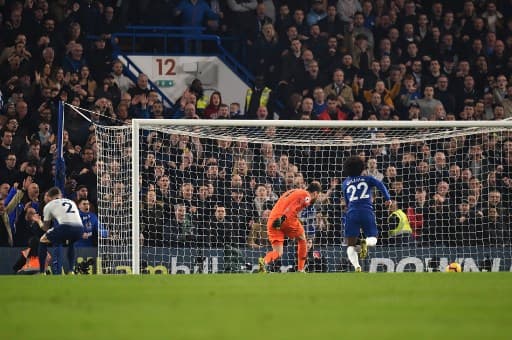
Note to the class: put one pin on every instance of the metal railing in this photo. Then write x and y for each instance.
(179, 40)
(143, 38)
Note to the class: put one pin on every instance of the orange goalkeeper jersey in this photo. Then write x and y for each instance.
(290, 204)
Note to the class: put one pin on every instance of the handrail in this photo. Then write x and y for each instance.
(116, 52)
(187, 34)
(166, 28)
(225, 55)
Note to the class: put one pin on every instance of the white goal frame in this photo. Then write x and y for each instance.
(137, 124)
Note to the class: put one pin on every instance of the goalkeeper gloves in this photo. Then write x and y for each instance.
(278, 222)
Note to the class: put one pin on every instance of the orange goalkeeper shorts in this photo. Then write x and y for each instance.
(290, 228)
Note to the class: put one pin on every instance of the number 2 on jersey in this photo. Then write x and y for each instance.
(70, 207)
(362, 188)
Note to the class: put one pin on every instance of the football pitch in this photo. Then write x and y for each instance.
(258, 306)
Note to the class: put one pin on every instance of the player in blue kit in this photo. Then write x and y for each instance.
(68, 227)
(357, 191)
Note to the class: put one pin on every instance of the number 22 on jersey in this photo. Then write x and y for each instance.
(357, 192)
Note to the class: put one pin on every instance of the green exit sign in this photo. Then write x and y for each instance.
(164, 83)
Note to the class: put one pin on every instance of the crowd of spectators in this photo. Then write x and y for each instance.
(455, 190)
(320, 59)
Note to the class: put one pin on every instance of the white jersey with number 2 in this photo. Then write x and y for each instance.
(63, 210)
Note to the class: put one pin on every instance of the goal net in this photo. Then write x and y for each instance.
(192, 196)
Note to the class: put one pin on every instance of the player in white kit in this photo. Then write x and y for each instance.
(67, 227)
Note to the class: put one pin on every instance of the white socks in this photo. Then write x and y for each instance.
(371, 241)
(352, 251)
(353, 257)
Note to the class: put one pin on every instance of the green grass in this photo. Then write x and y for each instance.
(265, 306)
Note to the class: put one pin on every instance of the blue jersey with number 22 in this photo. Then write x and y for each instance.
(358, 192)
(358, 197)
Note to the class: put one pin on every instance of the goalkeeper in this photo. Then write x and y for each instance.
(284, 221)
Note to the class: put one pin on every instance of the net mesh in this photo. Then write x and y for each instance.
(205, 194)
(114, 197)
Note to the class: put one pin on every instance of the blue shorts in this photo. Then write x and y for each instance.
(357, 219)
(63, 232)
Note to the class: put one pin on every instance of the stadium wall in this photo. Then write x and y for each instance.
(383, 259)
(173, 74)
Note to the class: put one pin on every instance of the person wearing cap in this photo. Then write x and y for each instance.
(362, 53)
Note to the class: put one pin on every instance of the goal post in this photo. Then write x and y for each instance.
(185, 196)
